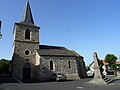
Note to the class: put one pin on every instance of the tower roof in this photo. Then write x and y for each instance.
(27, 15)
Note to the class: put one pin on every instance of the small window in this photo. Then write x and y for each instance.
(26, 59)
(27, 34)
(69, 64)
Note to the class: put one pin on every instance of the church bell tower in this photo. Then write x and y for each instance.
(25, 42)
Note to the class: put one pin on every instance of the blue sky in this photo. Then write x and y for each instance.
(85, 26)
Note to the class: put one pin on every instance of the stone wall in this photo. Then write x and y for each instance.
(61, 65)
(19, 32)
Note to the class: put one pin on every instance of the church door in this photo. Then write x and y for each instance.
(27, 71)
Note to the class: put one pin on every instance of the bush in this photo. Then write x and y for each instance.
(5, 66)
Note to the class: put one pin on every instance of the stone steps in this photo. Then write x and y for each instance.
(107, 80)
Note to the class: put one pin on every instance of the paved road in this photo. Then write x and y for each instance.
(6, 79)
(67, 85)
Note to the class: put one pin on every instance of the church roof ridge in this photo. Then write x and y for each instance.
(51, 47)
(27, 17)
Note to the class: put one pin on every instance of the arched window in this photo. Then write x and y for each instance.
(69, 64)
(27, 34)
(51, 65)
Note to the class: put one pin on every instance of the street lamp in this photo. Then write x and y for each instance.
(0, 30)
(0, 35)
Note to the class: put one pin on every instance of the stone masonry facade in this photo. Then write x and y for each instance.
(34, 61)
(61, 65)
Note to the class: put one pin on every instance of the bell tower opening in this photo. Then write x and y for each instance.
(27, 34)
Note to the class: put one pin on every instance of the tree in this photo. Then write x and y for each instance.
(111, 59)
(5, 66)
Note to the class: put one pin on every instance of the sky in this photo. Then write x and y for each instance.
(85, 26)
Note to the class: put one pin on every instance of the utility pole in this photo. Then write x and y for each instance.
(0, 30)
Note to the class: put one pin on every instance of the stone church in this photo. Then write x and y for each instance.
(34, 61)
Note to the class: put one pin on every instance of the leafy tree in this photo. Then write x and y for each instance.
(111, 59)
(5, 66)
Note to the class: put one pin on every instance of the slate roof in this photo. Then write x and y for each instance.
(46, 50)
(27, 15)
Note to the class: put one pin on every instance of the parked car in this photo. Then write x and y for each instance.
(58, 77)
(90, 73)
(53, 77)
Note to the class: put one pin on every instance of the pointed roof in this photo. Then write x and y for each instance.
(27, 15)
